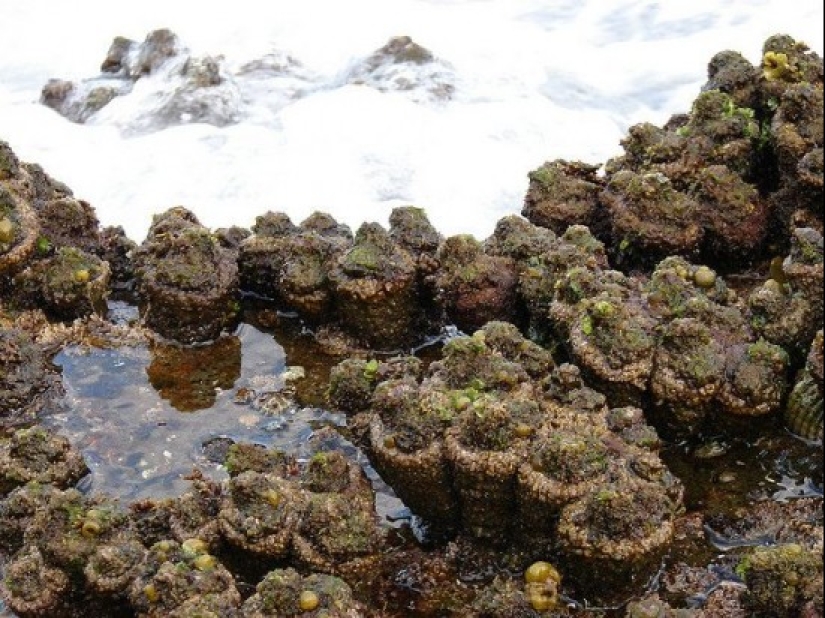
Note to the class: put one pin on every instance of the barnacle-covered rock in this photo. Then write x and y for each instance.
(187, 282)
(35, 454)
(542, 277)
(803, 268)
(647, 146)
(733, 215)
(650, 218)
(351, 383)
(688, 371)
(730, 72)
(796, 130)
(630, 424)
(797, 125)
(303, 280)
(260, 513)
(411, 229)
(71, 527)
(719, 132)
(485, 446)
(290, 264)
(194, 514)
(33, 588)
(17, 510)
(262, 257)
(518, 238)
(19, 231)
(24, 377)
(329, 471)
(783, 317)
(405, 445)
(624, 525)
(783, 579)
(613, 343)
(338, 534)
(470, 362)
(803, 412)
(183, 580)
(68, 222)
(563, 465)
(786, 61)
(756, 379)
(117, 250)
(286, 593)
(475, 288)
(112, 567)
(561, 194)
(69, 284)
(578, 288)
(506, 339)
(375, 290)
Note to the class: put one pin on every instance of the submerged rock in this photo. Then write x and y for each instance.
(402, 65)
(174, 87)
(79, 102)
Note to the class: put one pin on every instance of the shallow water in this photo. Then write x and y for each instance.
(142, 415)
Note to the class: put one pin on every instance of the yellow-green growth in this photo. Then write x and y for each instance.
(6, 230)
(775, 65)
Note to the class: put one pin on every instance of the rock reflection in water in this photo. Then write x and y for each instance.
(123, 409)
(189, 377)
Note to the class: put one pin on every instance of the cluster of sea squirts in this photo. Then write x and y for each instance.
(679, 290)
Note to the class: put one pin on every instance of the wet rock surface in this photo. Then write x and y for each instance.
(201, 90)
(187, 282)
(402, 65)
(594, 405)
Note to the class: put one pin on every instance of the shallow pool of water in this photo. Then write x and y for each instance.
(142, 414)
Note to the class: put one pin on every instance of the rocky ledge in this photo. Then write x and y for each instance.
(676, 294)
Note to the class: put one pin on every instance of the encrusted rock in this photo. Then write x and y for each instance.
(187, 282)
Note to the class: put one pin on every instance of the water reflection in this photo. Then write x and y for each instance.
(190, 377)
(123, 408)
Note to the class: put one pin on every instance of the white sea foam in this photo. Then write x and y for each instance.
(531, 81)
